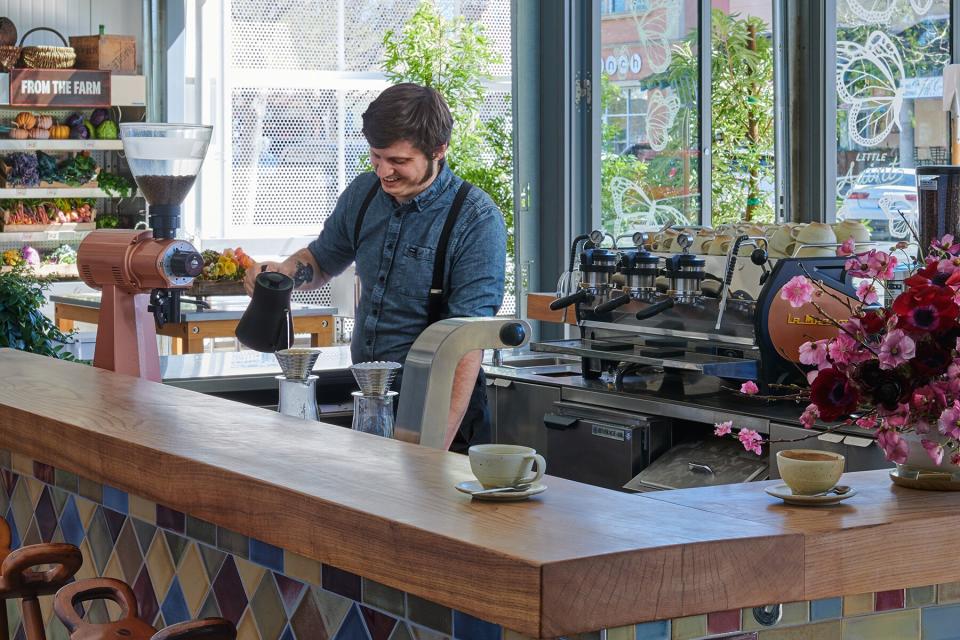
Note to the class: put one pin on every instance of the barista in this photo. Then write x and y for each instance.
(427, 246)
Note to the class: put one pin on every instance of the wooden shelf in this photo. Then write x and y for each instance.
(41, 236)
(60, 145)
(45, 192)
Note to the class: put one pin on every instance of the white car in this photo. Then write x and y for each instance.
(877, 197)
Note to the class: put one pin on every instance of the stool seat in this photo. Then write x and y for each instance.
(129, 626)
(19, 578)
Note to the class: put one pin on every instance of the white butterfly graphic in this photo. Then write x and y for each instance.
(637, 211)
(881, 11)
(662, 110)
(921, 6)
(653, 34)
(870, 79)
(892, 204)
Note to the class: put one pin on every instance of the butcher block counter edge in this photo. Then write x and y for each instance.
(574, 559)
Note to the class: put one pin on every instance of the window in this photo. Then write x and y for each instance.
(890, 120)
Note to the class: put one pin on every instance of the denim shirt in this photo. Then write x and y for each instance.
(395, 257)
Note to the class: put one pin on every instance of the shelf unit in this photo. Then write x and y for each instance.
(10, 146)
(61, 192)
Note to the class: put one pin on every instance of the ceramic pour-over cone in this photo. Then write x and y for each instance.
(297, 362)
(375, 378)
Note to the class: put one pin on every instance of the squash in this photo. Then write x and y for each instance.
(25, 120)
(39, 134)
(59, 132)
(19, 134)
(44, 122)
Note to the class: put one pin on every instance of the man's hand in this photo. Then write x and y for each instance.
(250, 277)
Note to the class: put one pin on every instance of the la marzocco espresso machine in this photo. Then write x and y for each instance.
(637, 309)
(142, 273)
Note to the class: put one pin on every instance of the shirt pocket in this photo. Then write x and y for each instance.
(414, 271)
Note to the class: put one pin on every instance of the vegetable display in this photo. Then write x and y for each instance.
(21, 170)
(45, 212)
(115, 185)
(100, 125)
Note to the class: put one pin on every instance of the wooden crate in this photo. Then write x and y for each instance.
(106, 53)
(217, 288)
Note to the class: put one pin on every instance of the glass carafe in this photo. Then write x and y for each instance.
(373, 413)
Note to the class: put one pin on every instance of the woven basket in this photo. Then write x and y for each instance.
(46, 57)
(9, 54)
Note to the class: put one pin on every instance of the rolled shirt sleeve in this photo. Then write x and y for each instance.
(477, 272)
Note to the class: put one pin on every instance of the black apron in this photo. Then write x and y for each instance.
(476, 426)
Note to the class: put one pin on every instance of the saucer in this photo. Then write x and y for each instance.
(472, 486)
(784, 492)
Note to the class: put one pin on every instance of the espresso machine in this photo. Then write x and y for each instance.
(142, 273)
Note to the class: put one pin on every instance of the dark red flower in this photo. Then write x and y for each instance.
(873, 322)
(930, 360)
(834, 394)
(925, 276)
(926, 309)
(885, 387)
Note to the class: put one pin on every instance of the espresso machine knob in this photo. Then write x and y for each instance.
(186, 264)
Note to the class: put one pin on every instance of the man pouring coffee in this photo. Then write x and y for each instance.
(427, 246)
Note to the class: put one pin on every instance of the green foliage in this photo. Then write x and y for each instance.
(613, 165)
(22, 325)
(454, 57)
(114, 184)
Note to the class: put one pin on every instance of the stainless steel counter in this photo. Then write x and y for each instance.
(222, 308)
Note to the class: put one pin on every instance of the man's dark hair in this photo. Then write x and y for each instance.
(409, 112)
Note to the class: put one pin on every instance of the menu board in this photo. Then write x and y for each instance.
(59, 88)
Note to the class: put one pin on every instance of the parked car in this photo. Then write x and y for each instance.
(875, 198)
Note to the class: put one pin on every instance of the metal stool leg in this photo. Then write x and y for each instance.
(20, 578)
(128, 627)
(32, 618)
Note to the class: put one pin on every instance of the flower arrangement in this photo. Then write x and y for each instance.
(892, 370)
(232, 264)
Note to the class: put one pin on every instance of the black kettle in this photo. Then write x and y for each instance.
(267, 323)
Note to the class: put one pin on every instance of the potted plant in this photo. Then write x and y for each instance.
(22, 323)
(896, 370)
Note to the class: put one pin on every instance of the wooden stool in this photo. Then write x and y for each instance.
(18, 579)
(129, 627)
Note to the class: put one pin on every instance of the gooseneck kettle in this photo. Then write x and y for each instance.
(267, 323)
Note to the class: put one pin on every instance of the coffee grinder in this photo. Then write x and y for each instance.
(142, 273)
(373, 404)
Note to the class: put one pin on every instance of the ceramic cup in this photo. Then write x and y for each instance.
(719, 245)
(814, 233)
(807, 471)
(851, 228)
(505, 465)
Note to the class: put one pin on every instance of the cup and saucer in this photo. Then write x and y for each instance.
(504, 473)
(810, 478)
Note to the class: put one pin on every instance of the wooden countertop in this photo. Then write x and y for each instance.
(576, 558)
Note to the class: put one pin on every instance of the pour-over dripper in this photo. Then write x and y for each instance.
(375, 377)
(165, 160)
(297, 362)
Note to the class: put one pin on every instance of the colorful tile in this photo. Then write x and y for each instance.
(467, 627)
(333, 608)
(402, 632)
(857, 605)
(88, 568)
(422, 633)
(900, 625)
(266, 554)
(142, 509)
(233, 542)
(145, 534)
(659, 630)
(688, 628)
(210, 608)
(59, 497)
(343, 582)
(100, 542)
(429, 614)
(146, 596)
(940, 623)
(86, 509)
(889, 600)
(201, 530)
(250, 575)
(115, 521)
(380, 625)
(177, 545)
(212, 560)
(34, 489)
(304, 569)
(10, 480)
(723, 621)
(90, 490)
(128, 552)
(826, 609)
(5, 458)
(113, 570)
(268, 610)
(287, 634)
(948, 592)
(830, 630)
(193, 578)
(21, 464)
(43, 472)
(32, 536)
(307, 621)
(22, 508)
(116, 499)
(247, 629)
(172, 519)
(290, 591)
(174, 607)
(352, 627)
(161, 566)
(14, 535)
(46, 515)
(616, 633)
(921, 596)
(383, 597)
(229, 591)
(66, 480)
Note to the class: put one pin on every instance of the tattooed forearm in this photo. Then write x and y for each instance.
(303, 274)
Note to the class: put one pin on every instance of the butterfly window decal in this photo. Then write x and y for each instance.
(873, 11)
(637, 211)
(662, 108)
(870, 79)
(653, 34)
(900, 226)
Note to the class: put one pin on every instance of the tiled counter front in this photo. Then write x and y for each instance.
(181, 568)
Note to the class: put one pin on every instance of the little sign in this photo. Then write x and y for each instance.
(59, 88)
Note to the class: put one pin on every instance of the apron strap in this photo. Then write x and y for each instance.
(363, 212)
(435, 299)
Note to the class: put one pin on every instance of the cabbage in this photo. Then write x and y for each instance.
(73, 119)
(98, 116)
(31, 256)
(107, 130)
(79, 132)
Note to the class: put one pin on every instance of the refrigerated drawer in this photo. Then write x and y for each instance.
(861, 453)
(602, 447)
